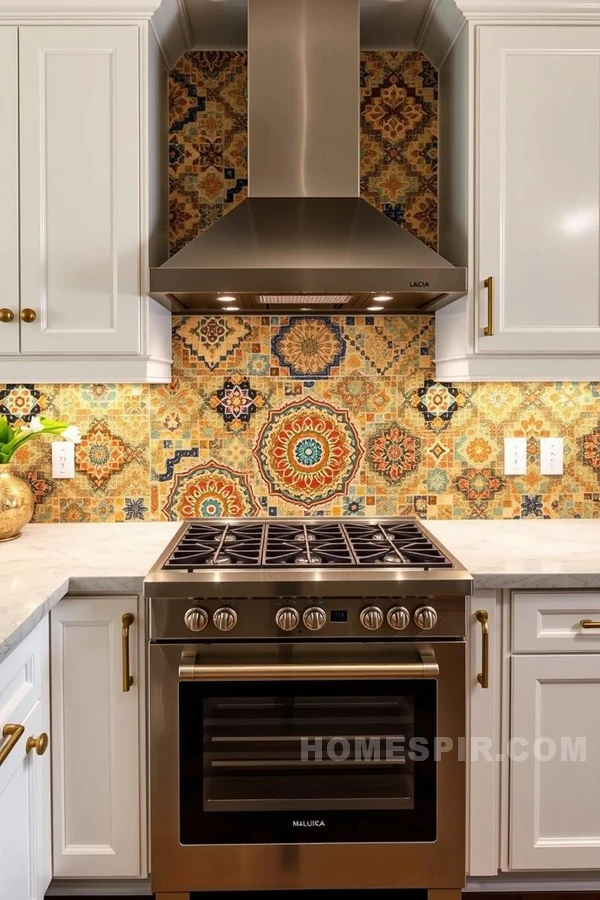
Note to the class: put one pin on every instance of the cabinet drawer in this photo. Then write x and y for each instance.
(550, 621)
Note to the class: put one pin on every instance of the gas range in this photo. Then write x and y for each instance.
(270, 635)
(306, 578)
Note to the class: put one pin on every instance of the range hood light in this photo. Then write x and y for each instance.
(226, 298)
(381, 298)
(374, 308)
(230, 308)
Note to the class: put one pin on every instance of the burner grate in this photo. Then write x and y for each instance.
(393, 543)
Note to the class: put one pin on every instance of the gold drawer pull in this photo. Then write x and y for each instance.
(127, 620)
(14, 734)
(39, 744)
(28, 315)
(588, 623)
(484, 676)
(489, 328)
(6, 315)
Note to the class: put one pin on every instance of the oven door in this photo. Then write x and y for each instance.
(297, 744)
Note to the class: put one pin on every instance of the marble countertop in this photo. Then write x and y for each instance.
(525, 553)
(48, 561)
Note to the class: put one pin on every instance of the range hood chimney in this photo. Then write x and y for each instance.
(304, 240)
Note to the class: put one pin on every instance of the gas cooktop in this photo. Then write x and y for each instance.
(394, 543)
(304, 556)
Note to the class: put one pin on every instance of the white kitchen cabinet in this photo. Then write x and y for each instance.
(83, 206)
(9, 192)
(99, 747)
(555, 803)
(484, 702)
(520, 196)
(25, 836)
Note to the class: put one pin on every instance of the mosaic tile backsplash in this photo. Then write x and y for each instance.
(307, 416)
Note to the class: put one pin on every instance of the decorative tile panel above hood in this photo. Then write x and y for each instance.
(304, 228)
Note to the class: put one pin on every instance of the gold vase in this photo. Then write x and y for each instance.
(16, 503)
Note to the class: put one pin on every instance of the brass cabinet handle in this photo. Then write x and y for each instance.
(127, 620)
(484, 676)
(489, 328)
(28, 315)
(39, 744)
(14, 734)
(6, 315)
(588, 623)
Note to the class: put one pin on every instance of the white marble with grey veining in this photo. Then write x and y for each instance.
(525, 553)
(48, 561)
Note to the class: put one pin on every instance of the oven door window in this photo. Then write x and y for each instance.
(304, 762)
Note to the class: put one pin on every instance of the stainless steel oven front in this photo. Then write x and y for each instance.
(307, 765)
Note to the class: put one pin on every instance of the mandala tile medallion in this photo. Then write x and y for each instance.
(210, 340)
(18, 402)
(308, 452)
(393, 453)
(308, 347)
(236, 402)
(101, 454)
(590, 450)
(210, 491)
(438, 402)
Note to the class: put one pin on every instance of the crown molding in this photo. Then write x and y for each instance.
(530, 10)
(439, 31)
(49, 10)
(172, 28)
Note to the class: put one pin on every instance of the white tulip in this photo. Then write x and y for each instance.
(72, 433)
(34, 426)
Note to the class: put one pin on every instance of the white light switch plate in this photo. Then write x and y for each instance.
(63, 459)
(552, 456)
(515, 456)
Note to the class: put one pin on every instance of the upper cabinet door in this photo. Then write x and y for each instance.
(9, 190)
(80, 185)
(538, 171)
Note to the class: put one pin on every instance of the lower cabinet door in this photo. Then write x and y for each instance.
(96, 784)
(555, 764)
(24, 832)
(484, 694)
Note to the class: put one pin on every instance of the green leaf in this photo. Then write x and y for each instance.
(5, 430)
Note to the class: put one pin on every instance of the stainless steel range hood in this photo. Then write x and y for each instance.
(304, 240)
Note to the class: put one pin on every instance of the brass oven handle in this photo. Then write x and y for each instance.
(484, 676)
(489, 328)
(588, 623)
(14, 733)
(127, 620)
(426, 667)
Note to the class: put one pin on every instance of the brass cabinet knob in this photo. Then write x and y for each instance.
(39, 744)
(28, 315)
(6, 315)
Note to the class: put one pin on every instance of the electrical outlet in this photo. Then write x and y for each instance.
(552, 456)
(515, 456)
(63, 459)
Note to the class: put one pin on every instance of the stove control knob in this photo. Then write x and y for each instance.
(225, 618)
(425, 617)
(196, 619)
(287, 618)
(371, 617)
(314, 618)
(398, 618)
